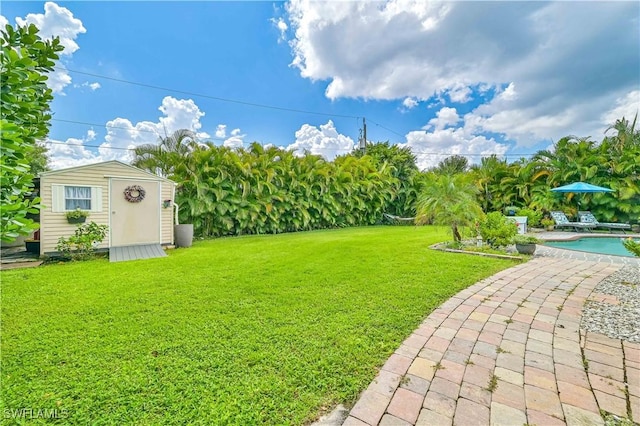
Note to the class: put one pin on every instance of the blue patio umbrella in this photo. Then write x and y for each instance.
(581, 187)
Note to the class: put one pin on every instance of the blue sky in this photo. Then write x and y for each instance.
(468, 78)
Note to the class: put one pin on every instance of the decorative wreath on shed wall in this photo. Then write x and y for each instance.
(134, 193)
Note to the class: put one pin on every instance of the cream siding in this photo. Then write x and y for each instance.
(166, 220)
(53, 225)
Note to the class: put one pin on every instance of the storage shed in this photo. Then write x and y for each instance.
(137, 206)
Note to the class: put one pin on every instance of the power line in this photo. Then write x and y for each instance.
(386, 128)
(253, 104)
(88, 146)
(217, 98)
(236, 101)
(121, 128)
(315, 149)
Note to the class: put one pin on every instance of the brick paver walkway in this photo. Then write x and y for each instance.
(509, 351)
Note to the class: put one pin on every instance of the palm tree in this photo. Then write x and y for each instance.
(166, 157)
(448, 200)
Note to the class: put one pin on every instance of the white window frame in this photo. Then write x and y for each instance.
(90, 199)
(59, 198)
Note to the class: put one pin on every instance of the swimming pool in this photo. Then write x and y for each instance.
(609, 245)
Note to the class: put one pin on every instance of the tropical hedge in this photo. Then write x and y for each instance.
(613, 163)
(225, 191)
(258, 190)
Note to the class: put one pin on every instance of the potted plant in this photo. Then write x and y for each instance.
(77, 216)
(525, 244)
(547, 223)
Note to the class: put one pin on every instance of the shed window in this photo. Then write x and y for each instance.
(77, 197)
(71, 197)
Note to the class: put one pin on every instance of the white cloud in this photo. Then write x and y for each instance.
(409, 103)
(539, 52)
(509, 93)
(181, 114)
(59, 22)
(221, 131)
(432, 147)
(3, 22)
(445, 117)
(72, 152)
(236, 140)
(58, 80)
(92, 86)
(323, 140)
(123, 135)
(282, 27)
(460, 94)
(56, 22)
(625, 106)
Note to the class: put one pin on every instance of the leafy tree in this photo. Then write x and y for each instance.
(488, 175)
(38, 162)
(449, 200)
(452, 165)
(24, 119)
(402, 162)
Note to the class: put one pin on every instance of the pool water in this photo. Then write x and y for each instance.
(612, 246)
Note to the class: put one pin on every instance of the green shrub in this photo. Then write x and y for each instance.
(497, 230)
(632, 246)
(76, 214)
(525, 239)
(547, 221)
(533, 216)
(80, 246)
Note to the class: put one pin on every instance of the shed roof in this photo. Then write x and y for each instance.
(120, 163)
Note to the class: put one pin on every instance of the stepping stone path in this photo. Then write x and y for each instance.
(509, 351)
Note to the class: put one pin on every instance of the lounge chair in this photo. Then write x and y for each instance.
(562, 221)
(588, 217)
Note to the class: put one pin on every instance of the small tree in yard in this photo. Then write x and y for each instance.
(24, 119)
(448, 200)
(81, 245)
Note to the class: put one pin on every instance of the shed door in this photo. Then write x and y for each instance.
(131, 222)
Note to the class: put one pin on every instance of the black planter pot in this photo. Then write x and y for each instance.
(32, 246)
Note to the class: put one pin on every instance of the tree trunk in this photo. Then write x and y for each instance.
(456, 234)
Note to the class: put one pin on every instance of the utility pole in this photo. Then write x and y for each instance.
(363, 140)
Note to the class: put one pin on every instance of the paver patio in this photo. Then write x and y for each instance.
(509, 351)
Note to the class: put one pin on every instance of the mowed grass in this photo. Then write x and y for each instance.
(263, 329)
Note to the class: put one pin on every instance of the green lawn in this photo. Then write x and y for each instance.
(260, 329)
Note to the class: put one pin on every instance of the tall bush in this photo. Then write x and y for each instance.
(225, 191)
(497, 230)
(81, 245)
(24, 119)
